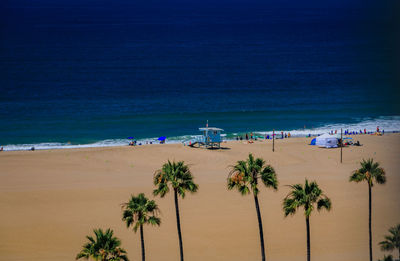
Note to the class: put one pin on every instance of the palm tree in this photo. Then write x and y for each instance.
(178, 176)
(393, 240)
(139, 211)
(370, 171)
(306, 196)
(104, 247)
(244, 176)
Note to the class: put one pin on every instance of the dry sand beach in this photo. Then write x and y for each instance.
(50, 200)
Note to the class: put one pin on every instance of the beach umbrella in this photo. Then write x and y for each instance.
(162, 138)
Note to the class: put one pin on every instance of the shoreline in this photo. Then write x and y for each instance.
(81, 147)
(390, 124)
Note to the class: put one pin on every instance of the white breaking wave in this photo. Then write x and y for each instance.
(58, 145)
(103, 143)
(387, 123)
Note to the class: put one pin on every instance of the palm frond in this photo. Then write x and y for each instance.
(387, 245)
(268, 177)
(154, 221)
(324, 203)
(178, 176)
(369, 171)
(392, 241)
(139, 210)
(290, 206)
(244, 175)
(305, 196)
(387, 258)
(104, 246)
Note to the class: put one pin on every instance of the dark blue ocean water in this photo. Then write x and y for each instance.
(87, 71)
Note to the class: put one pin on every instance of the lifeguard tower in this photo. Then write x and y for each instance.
(210, 138)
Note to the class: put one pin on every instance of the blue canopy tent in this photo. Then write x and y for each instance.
(162, 139)
(313, 141)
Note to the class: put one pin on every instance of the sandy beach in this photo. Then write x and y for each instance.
(51, 199)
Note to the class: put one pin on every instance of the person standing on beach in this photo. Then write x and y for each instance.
(247, 136)
(282, 134)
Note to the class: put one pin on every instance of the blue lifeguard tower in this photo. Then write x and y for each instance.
(210, 138)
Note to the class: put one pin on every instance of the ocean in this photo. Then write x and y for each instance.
(92, 73)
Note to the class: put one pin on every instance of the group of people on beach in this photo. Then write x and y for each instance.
(134, 143)
(283, 135)
(348, 132)
(250, 137)
(247, 137)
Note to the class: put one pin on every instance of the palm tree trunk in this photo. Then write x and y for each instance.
(370, 225)
(260, 227)
(308, 239)
(142, 239)
(178, 223)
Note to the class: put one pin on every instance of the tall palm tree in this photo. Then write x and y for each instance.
(244, 176)
(369, 171)
(139, 211)
(306, 196)
(392, 241)
(178, 176)
(104, 247)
